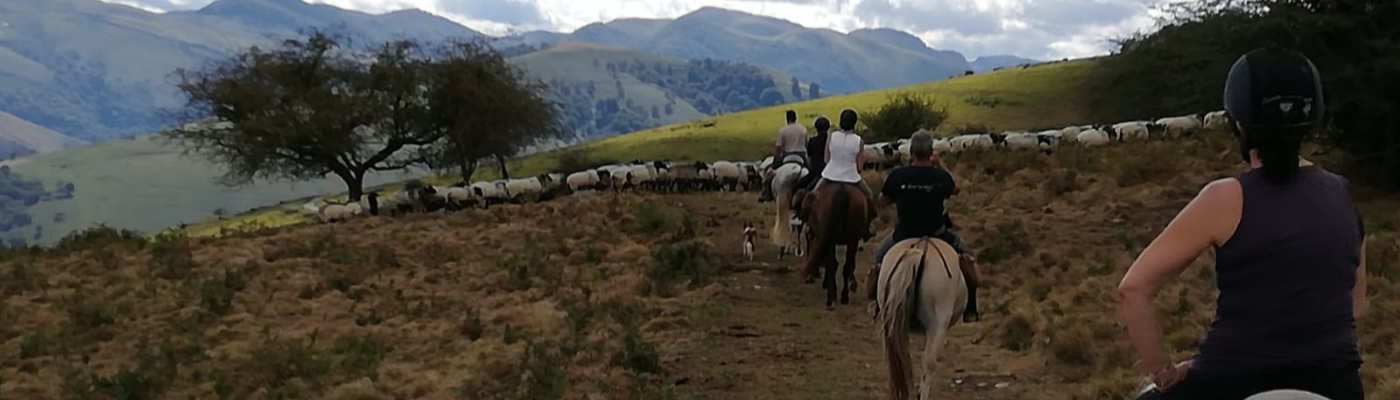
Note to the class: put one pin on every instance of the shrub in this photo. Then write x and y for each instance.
(276, 362)
(358, 356)
(638, 355)
(86, 314)
(677, 262)
(527, 263)
(1008, 240)
(172, 255)
(97, 237)
(653, 218)
(1073, 346)
(217, 293)
(1017, 334)
(903, 114)
(36, 344)
(538, 374)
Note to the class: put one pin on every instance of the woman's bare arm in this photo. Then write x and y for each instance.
(1209, 220)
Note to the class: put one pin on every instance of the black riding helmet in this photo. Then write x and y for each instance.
(1273, 91)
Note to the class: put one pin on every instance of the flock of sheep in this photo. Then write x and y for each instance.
(669, 177)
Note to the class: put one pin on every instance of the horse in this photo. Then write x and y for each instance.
(919, 282)
(838, 215)
(784, 182)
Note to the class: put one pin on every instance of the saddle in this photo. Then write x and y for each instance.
(793, 158)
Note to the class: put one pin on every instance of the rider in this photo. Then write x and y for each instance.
(815, 145)
(1289, 255)
(791, 144)
(843, 159)
(918, 191)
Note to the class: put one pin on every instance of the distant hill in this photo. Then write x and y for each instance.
(861, 60)
(607, 91)
(991, 63)
(99, 71)
(21, 138)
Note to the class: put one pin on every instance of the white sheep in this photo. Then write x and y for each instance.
(1130, 131)
(1022, 141)
(491, 191)
(334, 212)
(1180, 126)
(519, 189)
(584, 180)
(728, 174)
(1217, 120)
(1093, 138)
(942, 146)
(983, 141)
(460, 197)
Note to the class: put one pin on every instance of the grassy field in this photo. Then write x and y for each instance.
(630, 296)
(144, 185)
(1045, 96)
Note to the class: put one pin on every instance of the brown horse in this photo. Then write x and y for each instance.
(838, 215)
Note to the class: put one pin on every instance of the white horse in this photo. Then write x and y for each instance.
(785, 180)
(940, 298)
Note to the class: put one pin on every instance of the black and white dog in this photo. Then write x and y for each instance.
(750, 236)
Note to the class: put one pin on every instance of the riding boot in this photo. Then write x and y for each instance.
(968, 265)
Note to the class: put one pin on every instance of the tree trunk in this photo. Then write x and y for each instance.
(505, 174)
(354, 186)
(467, 168)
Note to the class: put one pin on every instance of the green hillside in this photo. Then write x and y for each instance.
(1030, 98)
(144, 185)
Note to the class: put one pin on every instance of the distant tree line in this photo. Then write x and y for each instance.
(1181, 68)
(314, 106)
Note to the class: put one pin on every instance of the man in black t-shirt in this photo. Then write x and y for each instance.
(918, 192)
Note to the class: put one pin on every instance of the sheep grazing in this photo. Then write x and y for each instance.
(873, 154)
(1130, 131)
(459, 198)
(584, 180)
(728, 174)
(983, 141)
(1180, 126)
(942, 146)
(1022, 141)
(520, 190)
(1093, 138)
(336, 212)
(492, 192)
(1217, 120)
(901, 151)
(1070, 134)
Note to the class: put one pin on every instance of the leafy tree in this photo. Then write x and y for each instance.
(770, 97)
(1352, 42)
(487, 107)
(306, 109)
(903, 114)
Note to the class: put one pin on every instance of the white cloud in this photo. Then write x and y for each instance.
(1044, 29)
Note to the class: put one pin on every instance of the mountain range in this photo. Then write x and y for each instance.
(96, 71)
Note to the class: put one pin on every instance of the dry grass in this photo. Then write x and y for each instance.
(624, 297)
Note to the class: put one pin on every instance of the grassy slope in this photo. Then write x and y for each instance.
(1043, 96)
(384, 307)
(34, 137)
(120, 182)
(573, 63)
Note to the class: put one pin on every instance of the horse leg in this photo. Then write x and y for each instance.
(849, 274)
(932, 345)
(829, 280)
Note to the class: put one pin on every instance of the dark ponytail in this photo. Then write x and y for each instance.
(1278, 151)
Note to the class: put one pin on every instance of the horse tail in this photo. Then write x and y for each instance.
(897, 304)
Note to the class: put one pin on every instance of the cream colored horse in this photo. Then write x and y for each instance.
(784, 182)
(919, 282)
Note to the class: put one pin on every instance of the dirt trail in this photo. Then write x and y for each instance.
(769, 337)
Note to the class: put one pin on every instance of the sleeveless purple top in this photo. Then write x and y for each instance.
(1285, 278)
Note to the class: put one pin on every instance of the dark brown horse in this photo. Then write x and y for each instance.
(838, 215)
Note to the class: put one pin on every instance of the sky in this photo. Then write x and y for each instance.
(1039, 29)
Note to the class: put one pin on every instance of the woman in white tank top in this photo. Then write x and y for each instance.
(843, 161)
